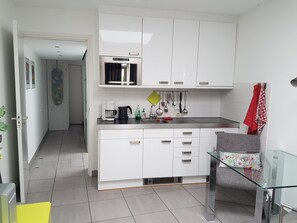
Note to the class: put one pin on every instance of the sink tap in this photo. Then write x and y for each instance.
(152, 114)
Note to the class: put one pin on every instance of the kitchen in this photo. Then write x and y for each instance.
(264, 53)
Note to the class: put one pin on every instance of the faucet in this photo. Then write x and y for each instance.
(152, 115)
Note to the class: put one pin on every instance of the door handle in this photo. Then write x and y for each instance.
(16, 118)
(187, 143)
(166, 141)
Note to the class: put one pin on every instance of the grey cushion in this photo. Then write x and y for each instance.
(235, 142)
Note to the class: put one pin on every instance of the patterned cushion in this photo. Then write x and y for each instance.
(241, 160)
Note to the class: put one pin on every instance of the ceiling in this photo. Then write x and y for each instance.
(226, 7)
(57, 50)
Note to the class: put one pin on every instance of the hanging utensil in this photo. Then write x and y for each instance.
(159, 111)
(180, 102)
(185, 111)
(162, 99)
(166, 108)
(174, 103)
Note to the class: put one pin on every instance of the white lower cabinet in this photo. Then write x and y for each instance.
(120, 159)
(185, 166)
(208, 142)
(157, 153)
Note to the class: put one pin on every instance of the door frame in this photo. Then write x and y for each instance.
(91, 69)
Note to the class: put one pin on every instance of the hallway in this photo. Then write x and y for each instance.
(59, 175)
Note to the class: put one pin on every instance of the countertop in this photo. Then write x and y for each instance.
(188, 122)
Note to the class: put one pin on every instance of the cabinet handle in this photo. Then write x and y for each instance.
(186, 161)
(187, 152)
(219, 132)
(163, 82)
(178, 82)
(133, 54)
(187, 143)
(134, 142)
(166, 141)
(204, 83)
(187, 133)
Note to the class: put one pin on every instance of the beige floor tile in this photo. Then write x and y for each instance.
(40, 185)
(137, 191)
(95, 195)
(70, 196)
(38, 197)
(70, 183)
(164, 216)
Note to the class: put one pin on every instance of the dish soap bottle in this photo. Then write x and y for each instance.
(137, 113)
(143, 115)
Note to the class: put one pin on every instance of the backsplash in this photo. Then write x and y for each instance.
(202, 103)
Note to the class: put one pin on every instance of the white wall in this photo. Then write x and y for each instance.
(267, 51)
(9, 165)
(36, 104)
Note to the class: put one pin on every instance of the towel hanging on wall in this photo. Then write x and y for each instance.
(256, 115)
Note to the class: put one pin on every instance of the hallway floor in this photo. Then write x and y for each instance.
(59, 175)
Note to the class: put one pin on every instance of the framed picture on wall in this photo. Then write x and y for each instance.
(33, 74)
(27, 72)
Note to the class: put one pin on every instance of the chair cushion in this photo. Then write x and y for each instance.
(241, 160)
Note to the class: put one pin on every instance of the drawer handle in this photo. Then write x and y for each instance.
(163, 82)
(134, 142)
(178, 82)
(133, 54)
(187, 143)
(218, 132)
(204, 83)
(186, 161)
(187, 152)
(166, 141)
(187, 133)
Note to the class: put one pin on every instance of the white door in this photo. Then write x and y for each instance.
(75, 94)
(21, 117)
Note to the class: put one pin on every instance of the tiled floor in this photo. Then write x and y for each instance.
(59, 175)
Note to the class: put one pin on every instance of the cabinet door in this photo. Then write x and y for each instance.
(120, 35)
(120, 159)
(208, 143)
(216, 54)
(185, 51)
(157, 157)
(157, 51)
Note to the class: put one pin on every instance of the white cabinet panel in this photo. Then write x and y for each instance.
(186, 142)
(186, 152)
(185, 52)
(216, 54)
(157, 157)
(157, 51)
(186, 133)
(120, 159)
(120, 35)
(208, 143)
(121, 134)
(184, 166)
(158, 133)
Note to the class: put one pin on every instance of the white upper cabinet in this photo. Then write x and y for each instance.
(120, 35)
(216, 54)
(184, 54)
(157, 51)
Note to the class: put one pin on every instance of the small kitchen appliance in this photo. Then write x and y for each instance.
(108, 111)
(123, 112)
(120, 70)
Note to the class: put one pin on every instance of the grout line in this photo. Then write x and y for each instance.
(128, 205)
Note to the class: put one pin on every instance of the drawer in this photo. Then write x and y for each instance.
(121, 134)
(186, 142)
(185, 166)
(158, 133)
(186, 152)
(186, 133)
(212, 131)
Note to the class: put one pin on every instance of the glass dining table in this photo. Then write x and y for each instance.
(278, 170)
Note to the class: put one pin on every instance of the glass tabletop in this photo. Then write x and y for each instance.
(278, 169)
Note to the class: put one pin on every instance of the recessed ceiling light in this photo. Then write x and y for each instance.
(57, 46)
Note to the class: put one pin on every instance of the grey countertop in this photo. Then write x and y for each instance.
(188, 122)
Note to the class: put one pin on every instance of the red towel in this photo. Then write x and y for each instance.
(261, 118)
(250, 119)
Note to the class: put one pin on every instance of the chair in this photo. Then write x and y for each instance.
(287, 217)
(230, 142)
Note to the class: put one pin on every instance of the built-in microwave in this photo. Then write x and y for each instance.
(120, 70)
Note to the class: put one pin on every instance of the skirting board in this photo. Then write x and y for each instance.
(106, 185)
(195, 179)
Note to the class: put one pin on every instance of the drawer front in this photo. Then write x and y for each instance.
(186, 152)
(185, 166)
(186, 142)
(182, 133)
(158, 133)
(212, 131)
(121, 134)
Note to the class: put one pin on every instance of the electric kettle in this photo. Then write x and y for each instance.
(123, 112)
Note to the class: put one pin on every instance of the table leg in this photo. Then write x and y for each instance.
(210, 192)
(276, 200)
(262, 209)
